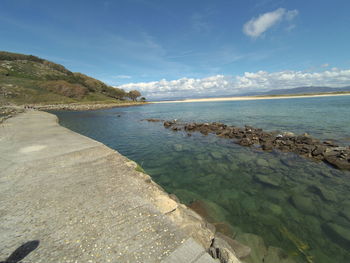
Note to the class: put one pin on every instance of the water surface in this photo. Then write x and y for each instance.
(293, 203)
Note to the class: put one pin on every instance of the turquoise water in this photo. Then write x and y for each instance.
(293, 203)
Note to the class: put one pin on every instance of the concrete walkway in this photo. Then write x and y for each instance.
(69, 198)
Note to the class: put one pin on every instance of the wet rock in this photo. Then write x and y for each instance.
(178, 147)
(277, 255)
(338, 234)
(267, 180)
(209, 210)
(267, 146)
(346, 212)
(288, 134)
(303, 204)
(273, 208)
(186, 196)
(167, 124)
(216, 155)
(343, 164)
(262, 162)
(239, 250)
(176, 128)
(304, 145)
(257, 246)
(226, 229)
(319, 150)
(245, 141)
(151, 120)
(325, 194)
(221, 250)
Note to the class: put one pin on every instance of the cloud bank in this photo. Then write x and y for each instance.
(219, 85)
(258, 25)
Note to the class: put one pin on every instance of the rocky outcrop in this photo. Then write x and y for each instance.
(303, 145)
(8, 112)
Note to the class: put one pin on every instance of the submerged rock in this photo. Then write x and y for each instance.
(303, 204)
(304, 145)
(257, 245)
(325, 194)
(227, 249)
(338, 234)
(277, 255)
(268, 180)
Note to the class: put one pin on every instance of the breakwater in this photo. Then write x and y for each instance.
(67, 198)
(304, 145)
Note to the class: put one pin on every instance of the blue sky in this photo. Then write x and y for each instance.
(169, 48)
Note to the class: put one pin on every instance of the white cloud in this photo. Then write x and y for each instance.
(230, 85)
(258, 25)
(122, 77)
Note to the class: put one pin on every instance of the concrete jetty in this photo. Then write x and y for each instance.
(67, 198)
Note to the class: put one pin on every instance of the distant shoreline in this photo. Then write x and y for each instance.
(263, 97)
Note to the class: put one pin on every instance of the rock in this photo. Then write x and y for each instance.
(267, 146)
(152, 120)
(228, 250)
(216, 155)
(226, 229)
(338, 163)
(240, 250)
(257, 246)
(345, 212)
(304, 145)
(288, 134)
(325, 194)
(268, 180)
(209, 210)
(303, 204)
(167, 124)
(338, 234)
(319, 150)
(221, 249)
(277, 255)
(262, 162)
(273, 208)
(186, 196)
(178, 147)
(246, 142)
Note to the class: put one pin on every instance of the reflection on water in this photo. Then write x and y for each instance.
(293, 203)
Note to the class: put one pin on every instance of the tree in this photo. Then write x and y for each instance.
(143, 99)
(134, 94)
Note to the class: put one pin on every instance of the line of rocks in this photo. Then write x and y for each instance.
(8, 112)
(83, 107)
(303, 145)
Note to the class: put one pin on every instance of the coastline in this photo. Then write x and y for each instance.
(58, 168)
(254, 98)
(9, 111)
(87, 106)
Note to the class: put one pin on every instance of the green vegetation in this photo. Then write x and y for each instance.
(139, 169)
(27, 79)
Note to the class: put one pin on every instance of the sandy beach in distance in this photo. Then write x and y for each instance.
(253, 98)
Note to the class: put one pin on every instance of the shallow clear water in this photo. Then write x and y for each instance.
(293, 203)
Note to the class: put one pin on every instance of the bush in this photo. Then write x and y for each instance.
(65, 88)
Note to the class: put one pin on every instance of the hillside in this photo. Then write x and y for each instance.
(27, 79)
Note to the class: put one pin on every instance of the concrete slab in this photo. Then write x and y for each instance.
(67, 198)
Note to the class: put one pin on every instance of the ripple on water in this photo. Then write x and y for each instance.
(292, 203)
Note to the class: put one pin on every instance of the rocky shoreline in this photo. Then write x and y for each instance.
(9, 111)
(303, 145)
(83, 107)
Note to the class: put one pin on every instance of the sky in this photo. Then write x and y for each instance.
(186, 48)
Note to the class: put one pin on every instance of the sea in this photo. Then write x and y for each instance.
(305, 212)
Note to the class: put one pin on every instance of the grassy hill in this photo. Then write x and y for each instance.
(27, 79)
